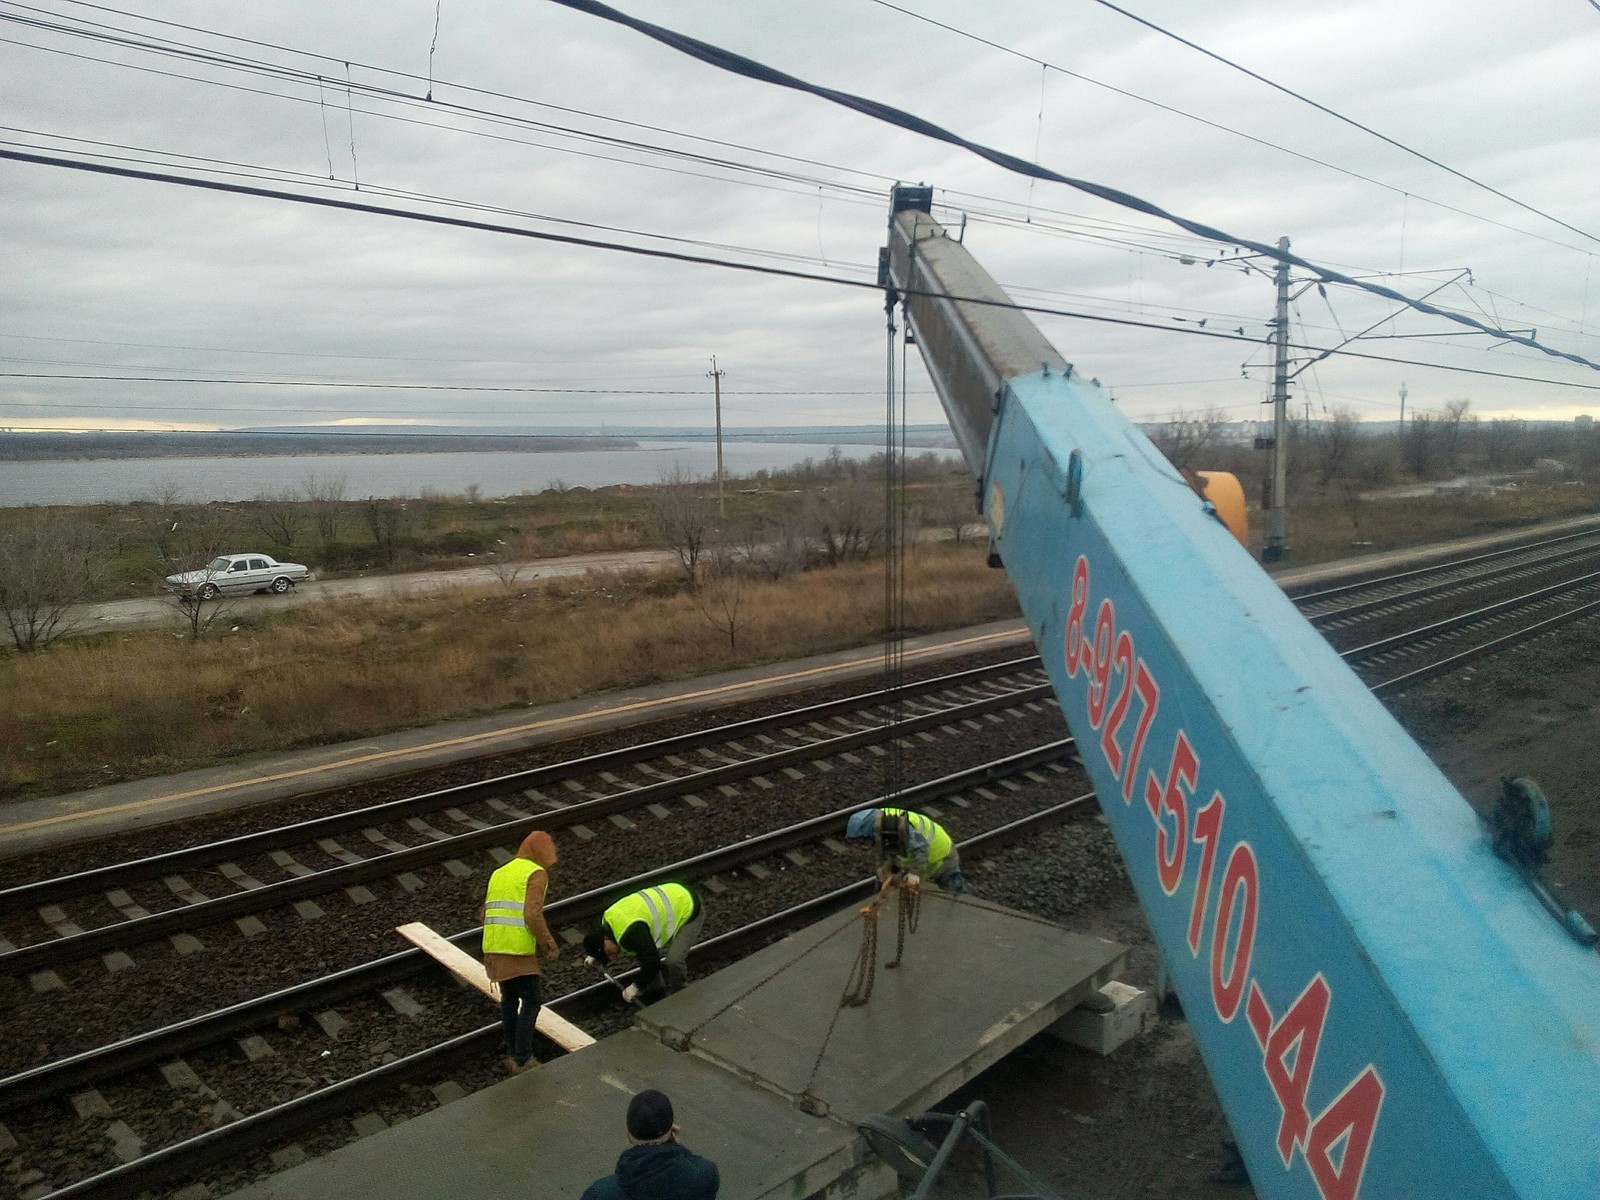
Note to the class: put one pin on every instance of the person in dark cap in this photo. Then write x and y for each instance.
(656, 1166)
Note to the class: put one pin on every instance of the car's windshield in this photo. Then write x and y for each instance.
(219, 564)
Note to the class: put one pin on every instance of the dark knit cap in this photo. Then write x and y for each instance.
(649, 1116)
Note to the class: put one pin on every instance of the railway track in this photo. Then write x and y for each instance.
(118, 1088)
(234, 1081)
(570, 797)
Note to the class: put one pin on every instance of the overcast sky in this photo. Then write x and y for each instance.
(582, 127)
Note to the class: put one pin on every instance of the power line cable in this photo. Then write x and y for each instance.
(258, 65)
(785, 272)
(738, 64)
(1339, 116)
(1228, 129)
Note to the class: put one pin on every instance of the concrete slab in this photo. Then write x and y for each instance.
(977, 981)
(554, 1131)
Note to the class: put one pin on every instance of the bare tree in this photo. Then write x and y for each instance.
(1420, 444)
(1335, 440)
(1458, 421)
(390, 523)
(325, 495)
(721, 596)
(49, 565)
(847, 518)
(193, 542)
(278, 514)
(952, 509)
(1185, 434)
(684, 515)
(1505, 443)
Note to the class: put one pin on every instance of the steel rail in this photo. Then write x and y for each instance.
(40, 955)
(115, 875)
(1499, 644)
(1454, 623)
(55, 951)
(52, 1079)
(231, 1142)
(1445, 588)
(1341, 589)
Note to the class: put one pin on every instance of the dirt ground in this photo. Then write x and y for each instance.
(1145, 1122)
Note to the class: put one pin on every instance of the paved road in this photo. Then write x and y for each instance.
(155, 612)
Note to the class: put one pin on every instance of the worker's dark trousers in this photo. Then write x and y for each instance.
(520, 999)
(675, 962)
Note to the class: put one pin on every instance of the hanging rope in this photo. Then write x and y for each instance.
(893, 562)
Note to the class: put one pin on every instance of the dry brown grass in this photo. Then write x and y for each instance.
(97, 710)
(1325, 528)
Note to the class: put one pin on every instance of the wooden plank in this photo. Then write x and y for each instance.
(461, 964)
(454, 959)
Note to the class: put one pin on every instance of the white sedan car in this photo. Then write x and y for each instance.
(236, 574)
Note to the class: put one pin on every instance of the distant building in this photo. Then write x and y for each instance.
(1583, 421)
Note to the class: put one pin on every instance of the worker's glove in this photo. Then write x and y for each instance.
(553, 953)
(911, 881)
(630, 993)
(590, 960)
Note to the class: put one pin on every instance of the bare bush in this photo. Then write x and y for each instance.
(684, 515)
(846, 519)
(772, 547)
(49, 565)
(278, 514)
(1334, 442)
(510, 562)
(193, 540)
(390, 522)
(1185, 435)
(721, 596)
(325, 496)
(951, 510)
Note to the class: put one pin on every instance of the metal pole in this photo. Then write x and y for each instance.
(716, 379)
(1277, 546)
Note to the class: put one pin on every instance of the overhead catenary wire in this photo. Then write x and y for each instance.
(754, 268)
(1185, 114)
(1339, 116)
(125, 37)
(752, 69)
(1093, 231)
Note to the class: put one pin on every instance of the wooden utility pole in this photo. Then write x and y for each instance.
(716, 374)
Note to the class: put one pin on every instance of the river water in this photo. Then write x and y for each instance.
(496, 474)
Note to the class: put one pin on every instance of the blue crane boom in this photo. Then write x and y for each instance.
(1385, 1008)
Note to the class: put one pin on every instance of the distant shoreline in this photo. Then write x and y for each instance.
(47, 447)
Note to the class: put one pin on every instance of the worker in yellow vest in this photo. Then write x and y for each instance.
(911, 845)
(514, 935)
(658, 926)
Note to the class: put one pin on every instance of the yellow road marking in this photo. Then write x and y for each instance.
(468, 739)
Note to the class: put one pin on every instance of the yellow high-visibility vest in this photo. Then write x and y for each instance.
(938, 840)
(664, 909)
(505, 931)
